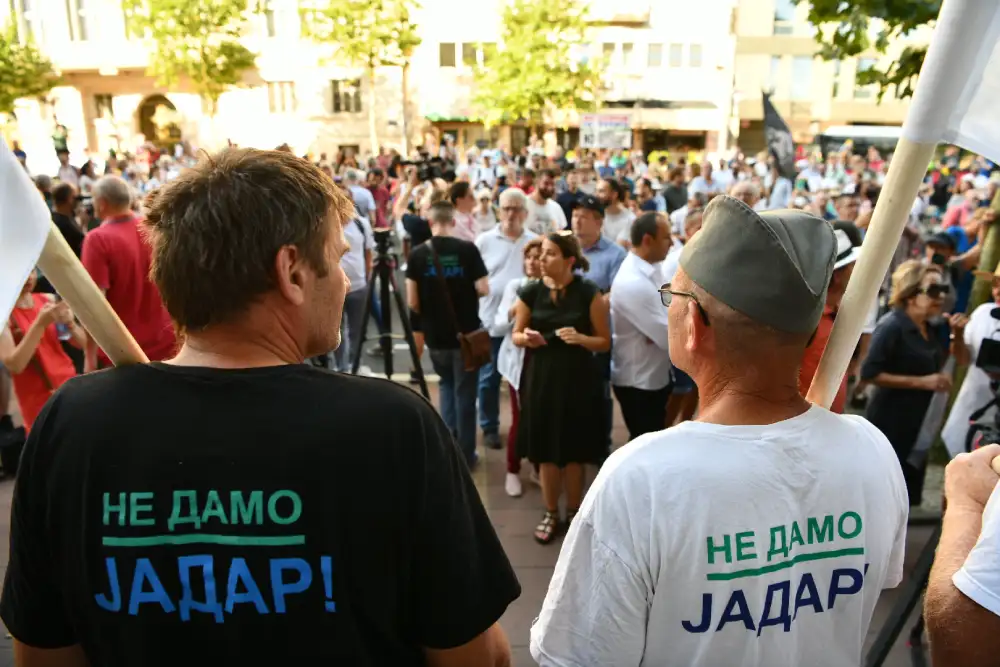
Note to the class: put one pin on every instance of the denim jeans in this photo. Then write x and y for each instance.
(489, 392)
(350, 329)
(458, 399)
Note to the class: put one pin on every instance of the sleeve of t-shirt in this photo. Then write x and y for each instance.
(476, 266)
(32, 607)
(529, 291)
(462, 579)
(73, 236)
(559, 217)
(979, 578)
(415, 264)
(883, 345)
(95, 260)
(366, 227)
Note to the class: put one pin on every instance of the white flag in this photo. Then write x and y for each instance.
(958, 96)
(25, 221)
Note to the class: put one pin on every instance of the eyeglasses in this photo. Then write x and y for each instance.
(511, 209)
(667, 296)
(935, 291)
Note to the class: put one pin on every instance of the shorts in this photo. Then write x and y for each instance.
(415, 322)
(683, 384)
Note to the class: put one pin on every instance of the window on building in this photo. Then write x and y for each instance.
(281, 96)
(784, 16)
(694, 55)
(447, 54)
(469, 55)
(864, 92)
(655, 55)
(269, 22)
(773, 73)
(27, 20)
(103, 106)
(79, 23)
(627, 50)
(346, 96)
(836, 79)
(607, 50)
(676, 55)
(801, 77)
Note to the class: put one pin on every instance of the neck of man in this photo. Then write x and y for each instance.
(764, 393)
(245, 344)
(614, 208)
(437, 229)
(588, 242)
(645, 254)
(511, 229)
(537, 197)
(64, 209)
(117, 213)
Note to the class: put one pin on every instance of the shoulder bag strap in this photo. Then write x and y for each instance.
(444, 286)
(18, 335)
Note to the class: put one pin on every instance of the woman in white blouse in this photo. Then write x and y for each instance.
(510, 360)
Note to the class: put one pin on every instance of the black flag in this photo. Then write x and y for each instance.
(779, 139)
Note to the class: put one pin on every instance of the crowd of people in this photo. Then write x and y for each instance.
(578, 283)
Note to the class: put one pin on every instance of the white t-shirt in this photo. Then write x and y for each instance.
(700, 184)
(707, 545)
(617, 224)
(546, 218)
(975, 391)
(979, 577)
(504, 260)
(358, 233)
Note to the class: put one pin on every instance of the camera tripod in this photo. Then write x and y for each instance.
(384, 275)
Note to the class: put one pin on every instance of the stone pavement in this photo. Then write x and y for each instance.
(515, 519)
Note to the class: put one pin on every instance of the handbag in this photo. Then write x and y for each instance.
(476, 346)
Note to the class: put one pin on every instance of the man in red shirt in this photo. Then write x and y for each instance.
(117, 257)
(847, 254)
(380, 193)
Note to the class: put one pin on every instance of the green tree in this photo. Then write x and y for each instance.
(24, 71)
(537, 69)
(196, 40)
(849, 29)
(365, 33)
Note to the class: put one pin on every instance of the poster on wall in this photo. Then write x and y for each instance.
(601, 130)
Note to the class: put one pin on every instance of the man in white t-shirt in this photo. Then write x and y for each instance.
(545, 215)
(617, 217)
(962, 604)
(760, 534)
(704, 183)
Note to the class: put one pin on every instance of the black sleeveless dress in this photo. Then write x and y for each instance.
(562, 410)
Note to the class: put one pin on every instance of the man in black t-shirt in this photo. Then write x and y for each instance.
(457, 264)
(234, 506)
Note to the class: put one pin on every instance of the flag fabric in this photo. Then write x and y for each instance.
(959, 92)
(779, 139)
(25, 221)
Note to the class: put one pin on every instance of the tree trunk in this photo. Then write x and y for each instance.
(988, 260)
(372, 133)
(406, 109)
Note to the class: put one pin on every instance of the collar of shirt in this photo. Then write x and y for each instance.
(642, 267)
(124, 217)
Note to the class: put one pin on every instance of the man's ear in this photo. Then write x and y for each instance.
(290, 275)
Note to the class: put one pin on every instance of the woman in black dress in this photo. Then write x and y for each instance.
(564, 320)
(908, 351)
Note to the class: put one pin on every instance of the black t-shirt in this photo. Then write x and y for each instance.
(568, 200)
(463, 266)
(418, 228)
(336, 523)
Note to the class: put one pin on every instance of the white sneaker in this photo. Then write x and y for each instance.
(533, 477)
(513, 485)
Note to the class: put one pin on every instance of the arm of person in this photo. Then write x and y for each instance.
(883, 346)
(413, 295)
(522, 318)
(29, 656)
(462, 580)
(600, 341)
(477, 271)
(368, 265)
(962, 602)
(505, 313)
(483, 286)
(16, 357)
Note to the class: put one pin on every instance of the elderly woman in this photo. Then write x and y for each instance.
(510, 360)
(563, 320)
(905, 361)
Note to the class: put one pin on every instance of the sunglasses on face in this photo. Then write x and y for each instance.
(935, 291)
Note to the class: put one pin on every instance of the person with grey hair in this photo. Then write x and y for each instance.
(118, 258)
(44, 185)
(364, 202)
(747, 192)
(444, 279)
(696, 202)
(502, 250)
(760, 534)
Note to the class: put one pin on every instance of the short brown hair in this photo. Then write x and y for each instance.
(217, 228)
(532, 244)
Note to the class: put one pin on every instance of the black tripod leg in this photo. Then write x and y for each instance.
(410, 340)
(907, 602)
(367, 313)
(385, 336)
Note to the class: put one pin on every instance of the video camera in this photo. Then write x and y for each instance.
(988, 360)
(427, 168)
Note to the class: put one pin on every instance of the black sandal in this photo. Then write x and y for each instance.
(546, 529)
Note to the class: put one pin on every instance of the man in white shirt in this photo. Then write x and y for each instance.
(617, 218)
(544, 214)
(640, 362)
(760, 534)
(696, 202)
(705, 184)
(502, 249)
(362, 196)
(672, 262)
(962, 604)
(67, 173)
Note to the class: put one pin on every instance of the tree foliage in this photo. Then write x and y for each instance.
(197, 40)
(849, 29)
(366, 33)
(537, 68)
(24, 71)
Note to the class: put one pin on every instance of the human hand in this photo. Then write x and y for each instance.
(63, 315)
(570, 336)
(533, 338)
(935, 382)
(958, 322)
(49, 313)
(969, 479)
